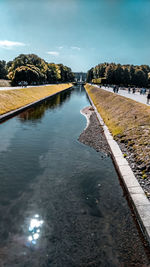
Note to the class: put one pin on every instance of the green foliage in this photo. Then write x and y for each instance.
(144, 176)
(34, 70)
(65, 73)
(53, 73)
(3, 70)
(120, 74)
(90, 75)
(29, 73)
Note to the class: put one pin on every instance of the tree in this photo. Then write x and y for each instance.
(120, 74)
(109, 74)
(89, 75)
(66, 74)
(30, 74)
(131, 74)
(53, 73)
(126, 77)
(141, 79)
(34, 69)
(3, 70)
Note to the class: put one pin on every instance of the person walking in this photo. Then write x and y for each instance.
(144, 91)
(117, 89)
(148, 97)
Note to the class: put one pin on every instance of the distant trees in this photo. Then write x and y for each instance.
(35, 70)
(119, 74)
(90, 75)
(30, 73)
(65, 73)
(53, 73)
(3, 70)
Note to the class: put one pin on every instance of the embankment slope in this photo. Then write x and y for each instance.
(14, 99)
(129, 123)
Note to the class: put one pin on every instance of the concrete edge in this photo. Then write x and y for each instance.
(15, 112)
(139, 201)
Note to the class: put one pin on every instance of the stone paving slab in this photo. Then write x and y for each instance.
(130, 181)
(139, 201)
(124, 171)
(115, 148)
(143, 212)
(120, 160)
(135, 190)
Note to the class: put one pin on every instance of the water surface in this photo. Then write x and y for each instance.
(61, 203)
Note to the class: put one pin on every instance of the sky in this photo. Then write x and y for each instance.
(77, 33)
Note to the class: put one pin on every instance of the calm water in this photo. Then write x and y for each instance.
(61, 203)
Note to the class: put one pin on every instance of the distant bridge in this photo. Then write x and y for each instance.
(80, 77)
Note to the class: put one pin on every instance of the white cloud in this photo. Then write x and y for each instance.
(9, 44)
(75, 48)
(60, 47)
(53, 53)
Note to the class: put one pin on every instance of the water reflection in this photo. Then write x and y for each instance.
(79, 89)
(34, 230)
(7, 133)
(37, 112)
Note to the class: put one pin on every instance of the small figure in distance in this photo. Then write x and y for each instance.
(129, 90)
(114, 88)
(141, 91)
(117, 89)
(148, 97)
(133, 90)
(144, 91)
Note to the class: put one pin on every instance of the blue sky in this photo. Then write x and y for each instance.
(77, 33)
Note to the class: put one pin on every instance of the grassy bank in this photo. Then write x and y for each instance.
(127, 120)
(13, 99)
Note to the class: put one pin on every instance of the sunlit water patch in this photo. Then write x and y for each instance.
(34, 230)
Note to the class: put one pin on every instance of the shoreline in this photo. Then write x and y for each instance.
(128, 121)
(136, 195)
(93, 134)
(87, 114)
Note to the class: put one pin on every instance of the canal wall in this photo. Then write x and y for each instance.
(12, 102)
(103, 104)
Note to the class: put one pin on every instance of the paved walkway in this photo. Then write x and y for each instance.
(20, 87)
(136, 96)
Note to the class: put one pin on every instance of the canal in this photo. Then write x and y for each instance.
(61, 203)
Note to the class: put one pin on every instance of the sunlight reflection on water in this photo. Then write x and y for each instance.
(34, 230)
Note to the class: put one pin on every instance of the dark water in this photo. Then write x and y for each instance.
(60, 201)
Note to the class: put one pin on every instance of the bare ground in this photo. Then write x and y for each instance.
(93, 135)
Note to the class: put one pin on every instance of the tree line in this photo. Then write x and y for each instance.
(125, 75)
(34, 70)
